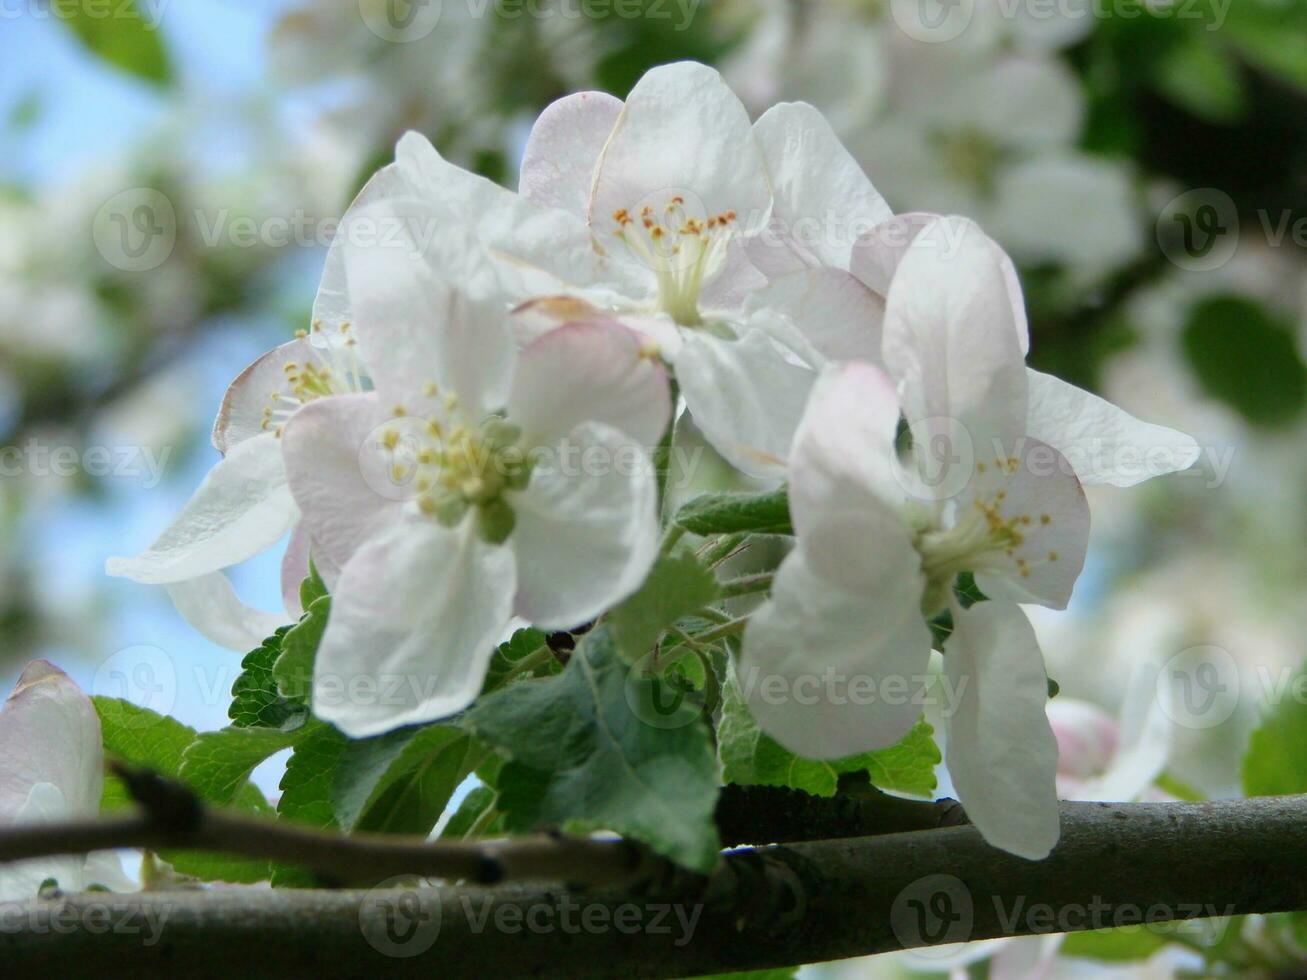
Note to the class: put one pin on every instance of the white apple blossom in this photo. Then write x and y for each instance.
(650, 210)
(877, 553)
(51, 770)
(471, 484)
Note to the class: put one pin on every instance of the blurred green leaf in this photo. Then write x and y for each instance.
(734, 513)
(121, 33)
(677, 586)
(1276, 761)
(1247, 359)
(1200, 76)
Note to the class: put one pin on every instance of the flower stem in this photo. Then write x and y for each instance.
(747, 585)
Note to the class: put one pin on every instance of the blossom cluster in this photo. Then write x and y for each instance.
(666, 259)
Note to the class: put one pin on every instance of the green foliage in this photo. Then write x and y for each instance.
(1114, 945)
(400, 782)
(217, 765)
(751, 757)
(733, 513)
(256, 702)
(507, 660)
(1247, 359)
(156, 742)
(474, 813)
(293, 670)
(120, 33)
(677, 586)
(1276, 761)
(589, 750)
(306, 793)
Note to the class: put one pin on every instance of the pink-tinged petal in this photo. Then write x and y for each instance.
(211, 607)
(733, 282)
(951, 336)
(682, 133)
(746, 395)
(1044, 504)
(590, 372)
(587, 527)
(1104, 444)
(242, 507)
(565, 142)
(295, 569)
(412, 627)
(535, 318)
(1000, 749)
(242, 412)
(415, 329)
(327, 446)
(844, 458)
(823, 200)
(827, 661)
(49, 733)
(839, 316)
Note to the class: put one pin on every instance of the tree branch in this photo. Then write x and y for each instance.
(1117, 864)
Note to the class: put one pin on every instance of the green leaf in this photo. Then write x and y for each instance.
(678, 586)
(128, 39)
(312, 588)
(1200, 76)
(471, 812)
(1113, 945)
(1271, 36)
(293, 670)
(217, 765)
(400, 782)
(751, 757)
(509, 655)
(1247, 359)
(306, 793)
(256, 702)
(1276, 761)
(734, 513)
(156, 742)
(592, 750)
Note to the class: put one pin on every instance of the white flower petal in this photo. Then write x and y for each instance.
(746, 396)
(240, 416)
(20, 881)
(823, 658)
(242, 507)
(212, 608)
(1000, 749)
(412, 627)
(559, 160)
(323, 445)
(592, 371)
(587, 527)
(682, 131)
(415, 329)
(951, 336)
(844, 457)
(823, 200)
(1144, 742)
(295, 569)
(49, 733)
(839, 316)
(1104, 444)
(1049, 503)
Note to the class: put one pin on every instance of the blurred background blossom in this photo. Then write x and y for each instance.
(171, 174)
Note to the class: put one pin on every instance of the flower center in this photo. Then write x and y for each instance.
(683, 251)
(455, 466)
(988, 536)
(333, 369)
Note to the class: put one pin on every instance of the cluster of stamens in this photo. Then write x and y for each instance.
(681, 250)
(982, 538)
(454, 465)
(336, 370)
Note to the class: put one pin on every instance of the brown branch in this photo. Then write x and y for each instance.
(782, 905)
